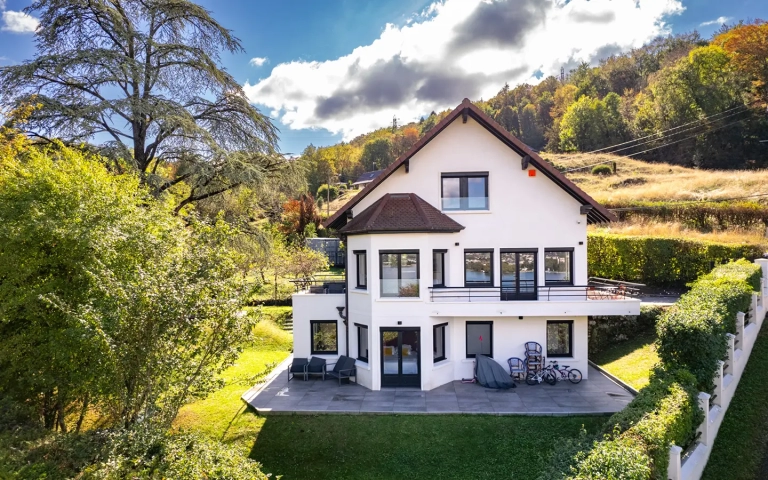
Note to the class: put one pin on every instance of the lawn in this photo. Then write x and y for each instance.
(631, 360)
(741, 448)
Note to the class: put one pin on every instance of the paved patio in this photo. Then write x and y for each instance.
(597, 395)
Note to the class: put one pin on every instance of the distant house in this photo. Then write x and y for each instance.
(366, 178)
(468, 244)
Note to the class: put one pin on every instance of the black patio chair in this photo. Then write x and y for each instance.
(316, 366)
(335, 287)
(299, 365)
(343, 368)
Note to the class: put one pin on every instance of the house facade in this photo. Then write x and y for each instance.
(469, 244)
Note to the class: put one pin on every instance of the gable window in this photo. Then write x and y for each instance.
(399, 273)
(464, 191)
(558, 266)
(478, 268)
(362, 342)
(559, 338)
(438, 342)
(479, 339)
(324, 337)
(438, 268)
(362, 269)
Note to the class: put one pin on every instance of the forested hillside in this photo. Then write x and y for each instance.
(680, 99)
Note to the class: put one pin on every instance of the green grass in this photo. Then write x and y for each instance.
(631, 361)
(741, 448)
(411, 446)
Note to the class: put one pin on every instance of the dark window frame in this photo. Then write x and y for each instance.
(444, 326)
(466, 337)
(399, 270)
(516, 295)
(464, 189)
(364, 253)
(569, 354)
(312, 337)
(443, 252)
(478, 284)
(569, 251)
(360, 357)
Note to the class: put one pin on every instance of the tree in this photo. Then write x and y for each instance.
(377, 154)
(530, 131)
(591, 123)
(297, 214)
(125, 307)
(145, 74)
(748, 47)
(507, 118)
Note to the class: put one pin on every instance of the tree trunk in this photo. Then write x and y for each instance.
(83, 411)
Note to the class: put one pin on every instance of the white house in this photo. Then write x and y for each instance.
(468, 244)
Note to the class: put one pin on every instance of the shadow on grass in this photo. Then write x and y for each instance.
(411, 446)
(622, 349)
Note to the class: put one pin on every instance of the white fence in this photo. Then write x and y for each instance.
(726, 380)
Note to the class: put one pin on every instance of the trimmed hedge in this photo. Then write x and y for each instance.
(658, 261)
(701, 216)
(606, 331)
(691, 342)
(692, 333)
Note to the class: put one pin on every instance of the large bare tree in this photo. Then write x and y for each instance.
(142, 78)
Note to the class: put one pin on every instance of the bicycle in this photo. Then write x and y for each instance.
(534, 378)
(562, 372)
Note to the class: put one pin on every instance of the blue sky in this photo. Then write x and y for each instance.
(338, 68)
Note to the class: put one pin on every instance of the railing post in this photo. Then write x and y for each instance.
(753, 308)
(718, 400)
(761, 292)
(740, 317)
(675, 469)
(704, 427)
(731, 353)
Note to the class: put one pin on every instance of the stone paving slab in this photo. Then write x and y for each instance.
(597, 395)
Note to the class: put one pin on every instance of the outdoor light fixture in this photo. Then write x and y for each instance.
(341, 313)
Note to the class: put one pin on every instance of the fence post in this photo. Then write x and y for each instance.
(718, 400)
(740, 317)
(760, 294)
(704, 427)
(675, 468)
(731, 356)
(753, 309)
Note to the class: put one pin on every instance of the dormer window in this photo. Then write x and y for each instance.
(465, 191)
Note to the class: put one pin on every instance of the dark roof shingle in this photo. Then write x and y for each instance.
(401, 212)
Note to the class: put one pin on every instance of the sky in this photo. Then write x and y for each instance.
(327, 71)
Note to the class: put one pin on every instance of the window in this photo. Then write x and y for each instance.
(465, 191)
(438, 268)
(438, 342)
(362, 269)
(362, 342)
(560, 338)
(324, 337)
(399, 273)
(479, 339)
(558, 266)
(478, 268)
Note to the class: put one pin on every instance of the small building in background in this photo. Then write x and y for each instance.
(366, 178)
(331, 247)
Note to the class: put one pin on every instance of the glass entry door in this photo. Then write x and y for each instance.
(400, 361)
(518, 275)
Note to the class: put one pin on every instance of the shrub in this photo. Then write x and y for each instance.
(691, 334)
(602, 170)
(701, 216)
(605, 331)
(658, 261)
(618, 459)
(322, 192)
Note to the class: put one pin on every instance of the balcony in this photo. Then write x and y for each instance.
(321, 284)
(550, 293)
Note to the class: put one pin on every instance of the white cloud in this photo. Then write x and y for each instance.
(19, 22)
(451, 50)
(258, 61)
(717, 21)
(2, 4)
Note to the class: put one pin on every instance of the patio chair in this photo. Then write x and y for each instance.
(517, 368)
(532, 348)
(299, 365)
(335, 287)
(316, 366)
(343, 368)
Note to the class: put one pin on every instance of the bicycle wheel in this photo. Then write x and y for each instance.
(550, 378)
(531, 379)
(574, 375)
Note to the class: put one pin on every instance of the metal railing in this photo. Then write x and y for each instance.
(321, 284)
(540, 293)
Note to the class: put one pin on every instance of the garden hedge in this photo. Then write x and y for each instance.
(658, 261)
(691, 334)
(700, 216)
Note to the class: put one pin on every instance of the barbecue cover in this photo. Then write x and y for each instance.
(492, 375)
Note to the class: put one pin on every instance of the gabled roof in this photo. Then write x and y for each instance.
(596, 213)
(403, 213)
(367, 177)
